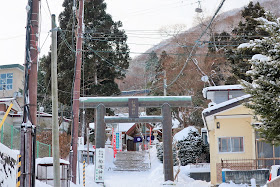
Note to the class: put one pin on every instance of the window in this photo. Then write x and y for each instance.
(6, 81)
(231, 144)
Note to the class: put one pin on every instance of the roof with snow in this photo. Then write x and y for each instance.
(181, 135)
(124, 127)
(175, 124)
(221, 88)
(49, 161)
(133, 129)
(225, 105)
(10, 100)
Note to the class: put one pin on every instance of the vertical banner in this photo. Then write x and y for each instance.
(112, 136)
(99, 165)
(114, 145)
(119, 141)
(150, 135)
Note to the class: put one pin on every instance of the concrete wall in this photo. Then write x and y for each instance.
(204, 176)
(244, 177)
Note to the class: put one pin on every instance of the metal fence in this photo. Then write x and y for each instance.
(249, 164)
(10, 137)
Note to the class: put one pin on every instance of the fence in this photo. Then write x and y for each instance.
(10, 137)
(249, 164)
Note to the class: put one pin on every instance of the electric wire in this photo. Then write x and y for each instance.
(202, 34)
(49, 8)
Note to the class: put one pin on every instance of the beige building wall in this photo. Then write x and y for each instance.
(234, 122)
(18, 78)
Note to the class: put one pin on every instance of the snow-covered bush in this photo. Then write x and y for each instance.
(191, 148)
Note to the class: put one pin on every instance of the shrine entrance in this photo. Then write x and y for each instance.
(133, 104)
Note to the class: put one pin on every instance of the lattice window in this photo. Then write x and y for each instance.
(6, 81)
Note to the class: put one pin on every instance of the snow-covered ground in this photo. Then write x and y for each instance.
(151, 178)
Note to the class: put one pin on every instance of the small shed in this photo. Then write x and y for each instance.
(45, 171)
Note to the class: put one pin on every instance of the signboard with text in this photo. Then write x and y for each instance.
(133, 106)
(99, 165)
(118, 141)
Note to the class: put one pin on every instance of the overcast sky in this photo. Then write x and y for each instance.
(142, 20)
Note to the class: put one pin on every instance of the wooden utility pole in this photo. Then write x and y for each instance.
(77, 85)
(28, 128)
(55, 130)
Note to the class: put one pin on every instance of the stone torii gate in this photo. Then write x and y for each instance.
(133, 103)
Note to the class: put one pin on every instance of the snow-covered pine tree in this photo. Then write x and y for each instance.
(265, 75)
(159, 147)
(245, 31)
(191, 150)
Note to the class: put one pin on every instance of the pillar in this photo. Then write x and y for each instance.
(167, 142)
(100, 126)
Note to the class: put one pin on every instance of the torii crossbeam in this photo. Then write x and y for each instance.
(163, 102)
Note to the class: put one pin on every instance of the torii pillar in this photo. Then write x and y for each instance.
(165, 102)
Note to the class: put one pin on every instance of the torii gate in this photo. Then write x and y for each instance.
(133, 103)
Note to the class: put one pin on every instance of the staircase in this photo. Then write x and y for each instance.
(132, 161)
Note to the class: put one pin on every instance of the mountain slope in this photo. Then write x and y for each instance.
(180, 44)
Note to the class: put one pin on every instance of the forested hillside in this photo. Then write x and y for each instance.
(185, 59)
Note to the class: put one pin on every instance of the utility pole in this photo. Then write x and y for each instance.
(77, 85)
(55, 130)
(28, 127)
(164, 83)
(88, 146)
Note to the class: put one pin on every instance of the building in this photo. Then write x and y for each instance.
(11, 80)
(11, 88)
(233, 141)
(138, 136)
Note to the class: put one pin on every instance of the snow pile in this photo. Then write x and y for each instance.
(261, 58)
(183, 134)
(231, 184)
(49, 160)
(246, 45)
(8, 166)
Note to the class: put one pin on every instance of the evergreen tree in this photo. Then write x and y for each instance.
(150, 66)
(44, 99)
(159, 70)
(191, 150)
(246, 31)
(265, 75)
(218, 41)
(105, 52)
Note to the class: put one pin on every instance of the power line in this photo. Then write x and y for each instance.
(49, 8)
(190, 55)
